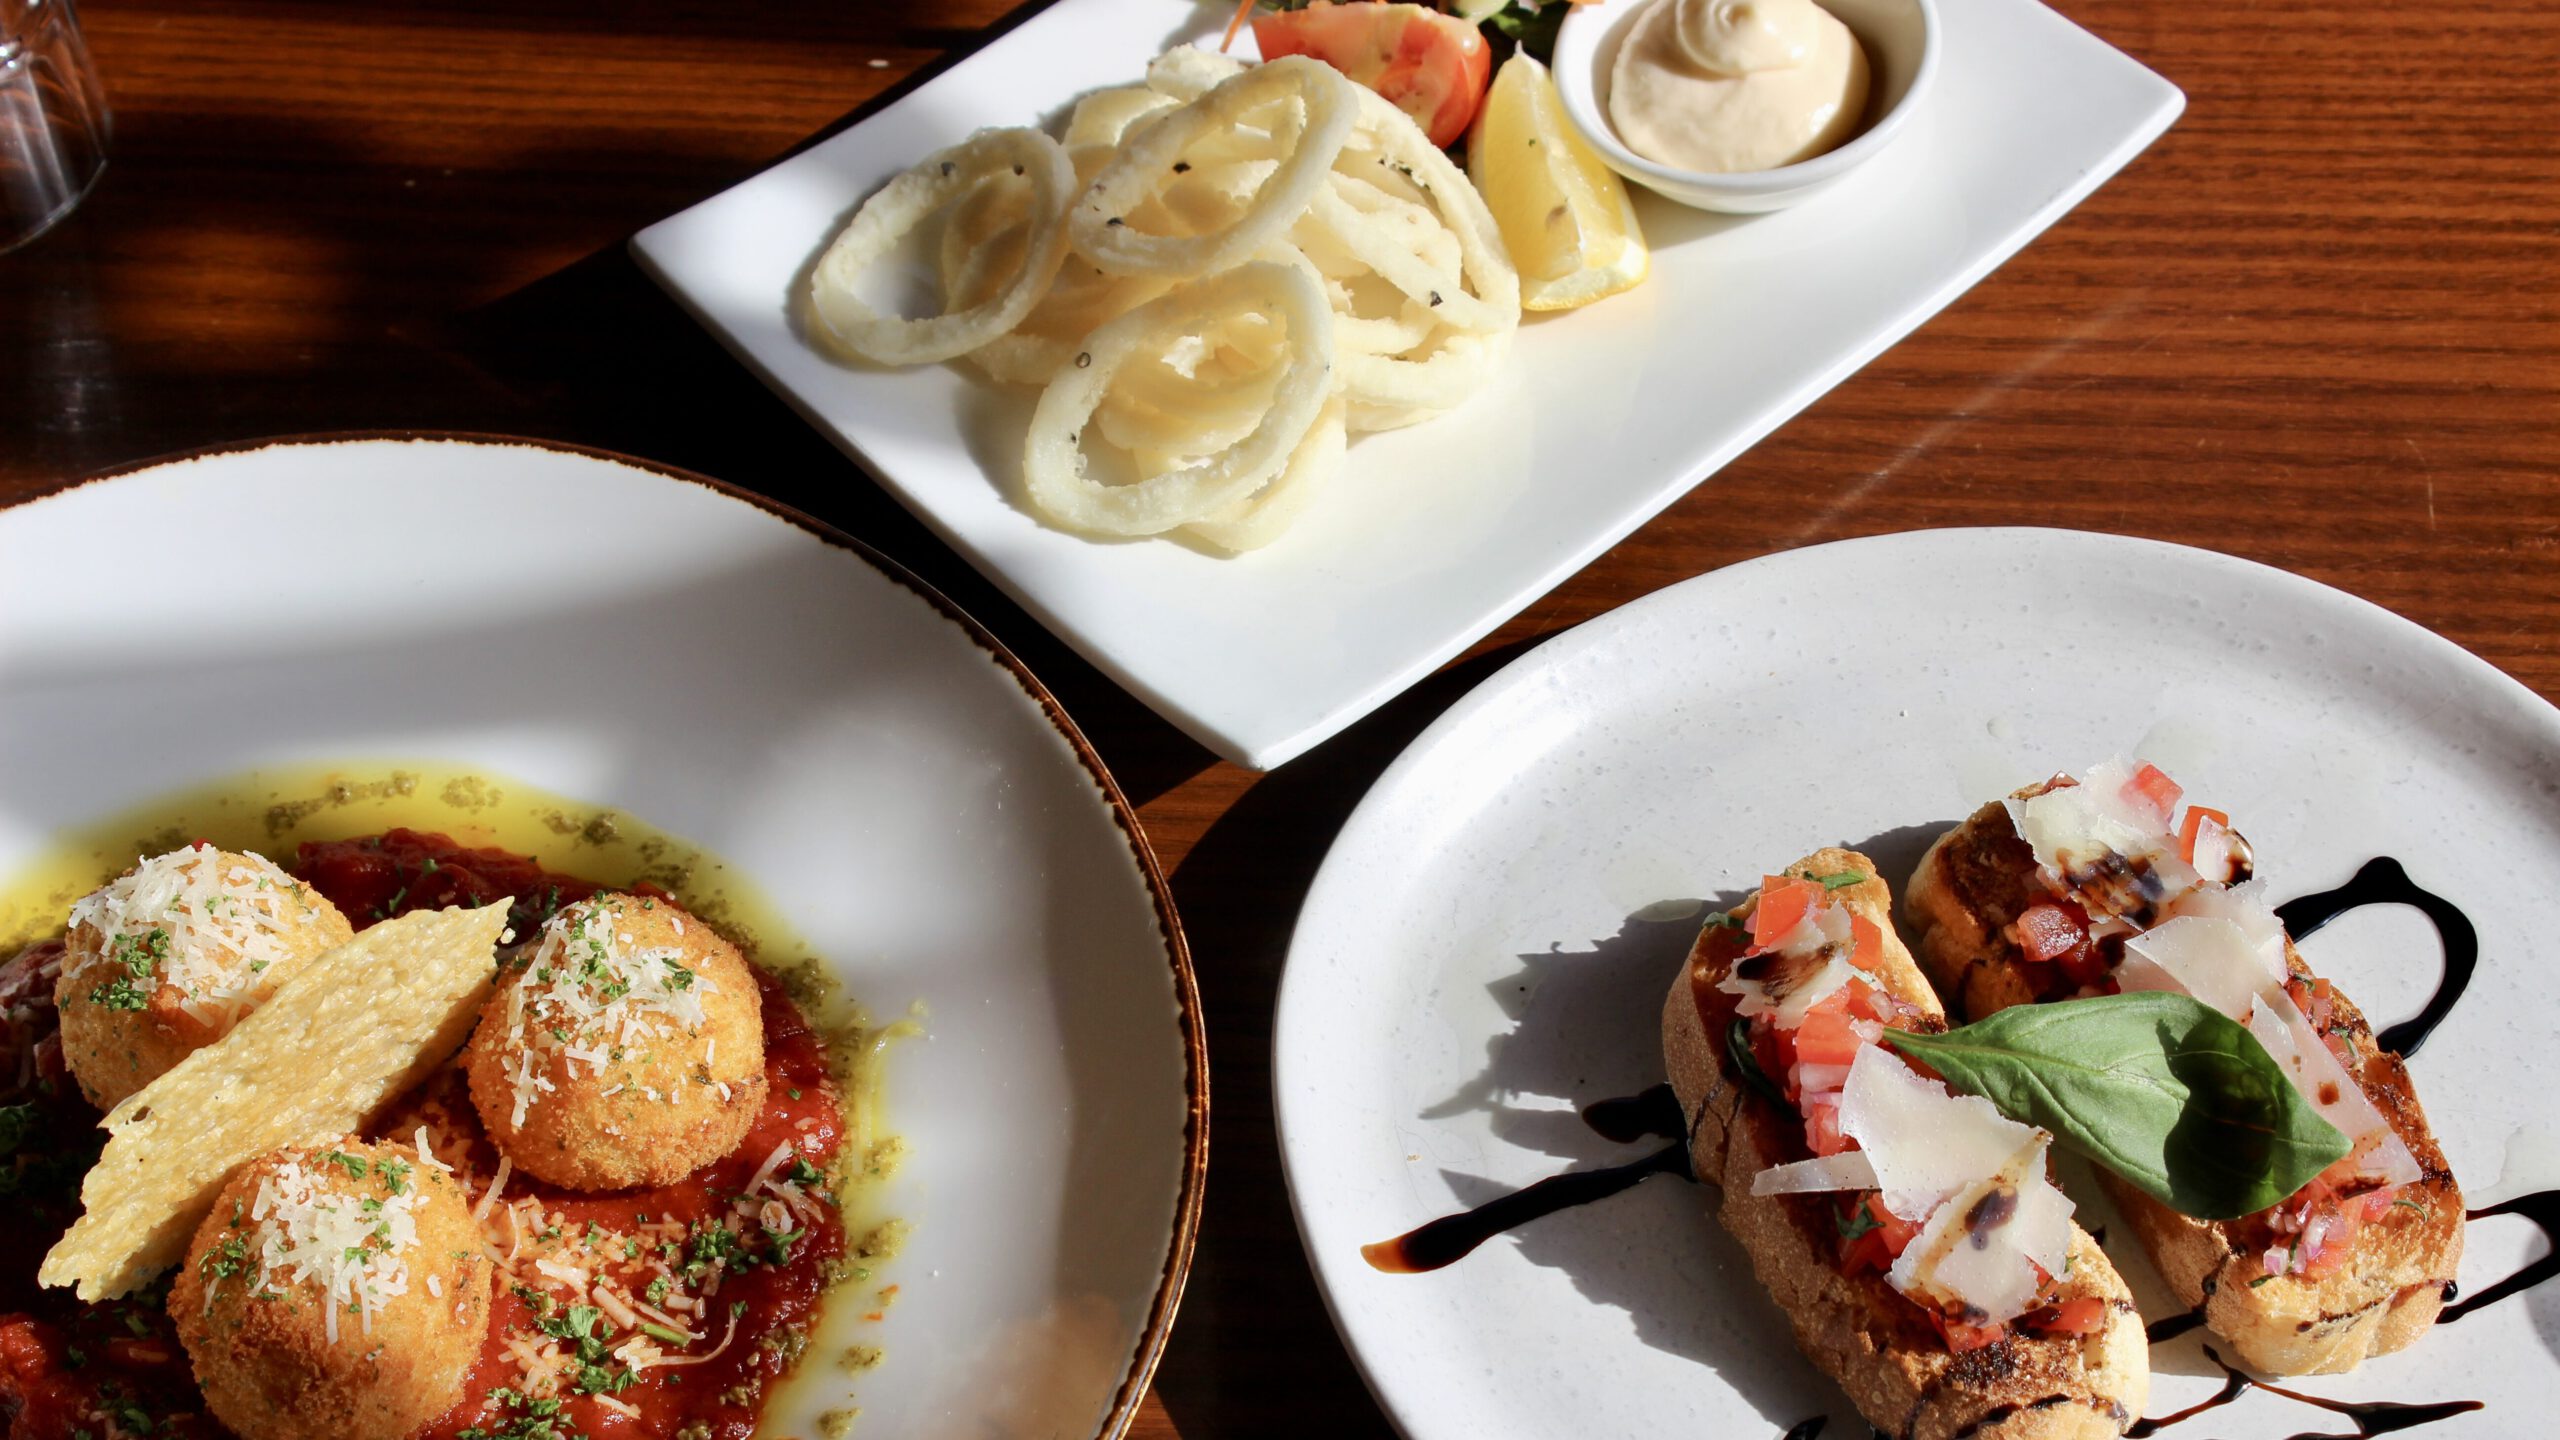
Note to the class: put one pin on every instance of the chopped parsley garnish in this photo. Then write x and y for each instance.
(140, 955)
(602, 1380)
(804, 1173)
(395, 1175)
(678, 977)
(1856, 1223)
(357, 1167)
(224, 1259)
(657, 1290)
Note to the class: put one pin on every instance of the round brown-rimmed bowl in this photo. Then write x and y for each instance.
(909, 799)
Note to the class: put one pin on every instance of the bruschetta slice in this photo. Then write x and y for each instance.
(2095, 886)
(1922, 1256)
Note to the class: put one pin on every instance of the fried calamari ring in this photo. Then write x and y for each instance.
(1258, 519)
(1105, 116)
(1187, 72)
(1387, 134)
(1053, 457)
(900, 205)
(1200, 394)
(982, 243)
(1099, 225)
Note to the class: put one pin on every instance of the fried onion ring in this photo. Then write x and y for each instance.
(904, 202)
(1098, 225)
(1053, 457)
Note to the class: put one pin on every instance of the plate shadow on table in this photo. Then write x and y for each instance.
(1254, 1353)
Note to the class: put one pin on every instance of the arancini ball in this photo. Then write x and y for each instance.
(627, 1050)
(336, 1292)
(163, 960)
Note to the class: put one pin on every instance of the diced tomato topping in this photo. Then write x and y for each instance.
(2374, 1204)
(1962, 1337)
(1826, 1036)
(1433, 67)
(2048, 932)
(1822, 1128)
(2203, 825)
(2079, 1315)
(1871, 1237)
(2084, 965)
(2151, 786)
(1867, 1002)
(1785, 901)
(1866, 950)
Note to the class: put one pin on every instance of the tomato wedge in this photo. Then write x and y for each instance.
(1433, 67)
(1784, 903)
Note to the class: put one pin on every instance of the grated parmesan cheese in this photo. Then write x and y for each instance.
(208, 923)
(590, 990)
(351, 1248)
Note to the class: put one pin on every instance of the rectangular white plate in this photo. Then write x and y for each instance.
(1436, 534)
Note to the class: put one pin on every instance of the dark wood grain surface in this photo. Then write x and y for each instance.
(2318, 325)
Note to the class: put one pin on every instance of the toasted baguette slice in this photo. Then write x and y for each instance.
(1971, 884)
(1880, 1346)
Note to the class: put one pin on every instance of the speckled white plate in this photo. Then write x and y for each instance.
(914, 803)
(1435, 534)
(1487, 945)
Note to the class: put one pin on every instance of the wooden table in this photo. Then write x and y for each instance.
(2317, 325)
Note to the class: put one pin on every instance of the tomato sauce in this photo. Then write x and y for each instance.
(116, 1369)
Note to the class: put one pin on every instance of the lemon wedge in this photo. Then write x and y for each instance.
(1565, 217)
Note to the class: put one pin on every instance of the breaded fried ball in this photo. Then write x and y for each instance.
(166, 958)
(337, 1292)
(627, 1050)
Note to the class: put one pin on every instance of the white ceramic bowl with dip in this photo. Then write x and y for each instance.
(1901, 41)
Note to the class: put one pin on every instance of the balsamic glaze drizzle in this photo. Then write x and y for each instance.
(2173, 1327)
(2371, 1417)
(2543, 1209)
(2382, 881)
(1450, 1238)
(1628, 1118)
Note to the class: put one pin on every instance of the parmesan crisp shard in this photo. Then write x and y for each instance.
(361, 1024)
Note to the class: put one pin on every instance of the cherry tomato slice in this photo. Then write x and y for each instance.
(1433, 67)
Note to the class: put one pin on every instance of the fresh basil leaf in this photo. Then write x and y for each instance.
(2176, 1097)
(1746, 1063)
(1841, 881)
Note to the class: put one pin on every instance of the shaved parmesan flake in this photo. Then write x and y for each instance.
(1992, 1245)
(1925, 1141)
(2208, 957)
(1848, 1170)
(2308, 1062)
(360, 1023)
(2098, 846)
